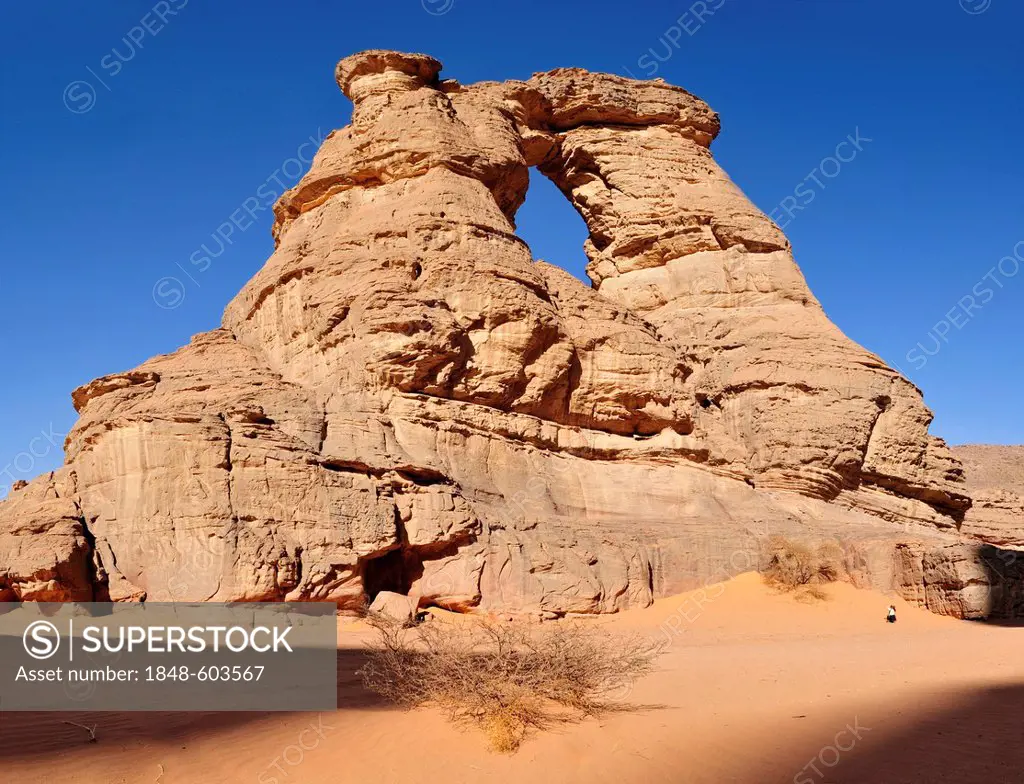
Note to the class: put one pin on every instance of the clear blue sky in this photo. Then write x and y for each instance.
(101, 204)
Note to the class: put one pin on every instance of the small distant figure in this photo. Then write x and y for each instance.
(891, 616)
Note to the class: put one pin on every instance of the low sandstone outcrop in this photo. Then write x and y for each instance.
(995, 480)
(404, 400)
(981, 575)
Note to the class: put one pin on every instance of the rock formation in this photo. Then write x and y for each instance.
(983, 574)
(995, 480)
(404, 399)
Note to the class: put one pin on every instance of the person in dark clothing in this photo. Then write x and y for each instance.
(891, 616)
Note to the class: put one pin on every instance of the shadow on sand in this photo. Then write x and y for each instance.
(978, 741)
(24, 735)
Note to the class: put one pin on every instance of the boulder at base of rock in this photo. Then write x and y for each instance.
(395, 606)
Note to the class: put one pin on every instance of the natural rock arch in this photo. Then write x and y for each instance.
(403, 377)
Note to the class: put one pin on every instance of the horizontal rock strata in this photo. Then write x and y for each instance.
(403, 399)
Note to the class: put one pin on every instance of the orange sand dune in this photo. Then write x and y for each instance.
(755, 687)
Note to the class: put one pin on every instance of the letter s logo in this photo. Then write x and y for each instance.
(41, 639)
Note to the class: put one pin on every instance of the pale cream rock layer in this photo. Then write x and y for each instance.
(404, 399)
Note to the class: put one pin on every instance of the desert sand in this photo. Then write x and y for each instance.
(756, 686)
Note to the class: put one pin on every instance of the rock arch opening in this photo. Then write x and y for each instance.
(552, 227)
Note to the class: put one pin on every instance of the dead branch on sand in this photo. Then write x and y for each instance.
(91, 730)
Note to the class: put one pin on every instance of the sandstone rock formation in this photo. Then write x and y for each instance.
(982, 574)
(995, 480)
(404, 399)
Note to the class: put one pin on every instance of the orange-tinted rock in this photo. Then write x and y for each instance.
(404, 399)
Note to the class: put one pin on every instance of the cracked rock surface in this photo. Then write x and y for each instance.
(404, 399)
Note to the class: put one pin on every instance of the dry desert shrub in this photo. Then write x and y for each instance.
(793, 566)
(829, 567)
(506, 678)
(809, 594)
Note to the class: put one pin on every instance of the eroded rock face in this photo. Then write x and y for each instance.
(404, 399)
(964, 579)
(995, 480)
(675, 241)
(982, 574)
